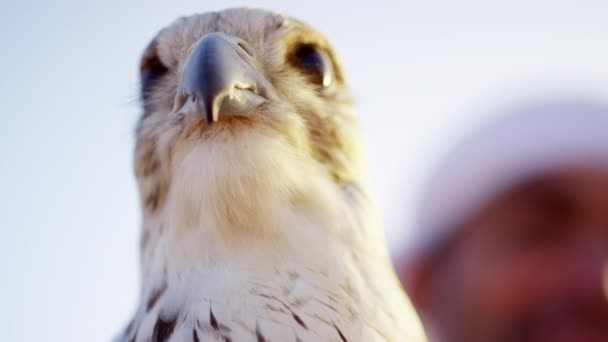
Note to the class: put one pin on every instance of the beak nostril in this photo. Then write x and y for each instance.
(245, 47)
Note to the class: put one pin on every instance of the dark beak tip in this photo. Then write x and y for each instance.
(214, 71)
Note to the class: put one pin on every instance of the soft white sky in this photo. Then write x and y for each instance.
(69, 213)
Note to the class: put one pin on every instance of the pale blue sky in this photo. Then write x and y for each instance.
(420, 73)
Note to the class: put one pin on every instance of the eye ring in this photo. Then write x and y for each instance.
(152, 69)
(315, 63)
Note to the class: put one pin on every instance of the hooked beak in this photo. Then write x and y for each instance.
(219, 79)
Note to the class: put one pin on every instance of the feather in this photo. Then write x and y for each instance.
(256, 222)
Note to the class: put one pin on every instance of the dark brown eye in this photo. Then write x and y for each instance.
(152, 69)
(315, 63)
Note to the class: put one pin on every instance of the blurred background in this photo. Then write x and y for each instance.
(421, 74)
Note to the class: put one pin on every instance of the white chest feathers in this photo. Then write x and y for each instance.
(269, 249)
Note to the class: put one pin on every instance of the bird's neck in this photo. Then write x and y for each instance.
(260, 203)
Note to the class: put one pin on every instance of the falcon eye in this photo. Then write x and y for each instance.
(152, 69)
(315, 63)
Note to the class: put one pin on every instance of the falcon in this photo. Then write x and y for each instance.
(257, 225)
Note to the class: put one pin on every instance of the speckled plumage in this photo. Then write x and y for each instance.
(259, 227)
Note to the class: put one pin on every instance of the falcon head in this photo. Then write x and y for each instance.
(242, 109)
(250, 175)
